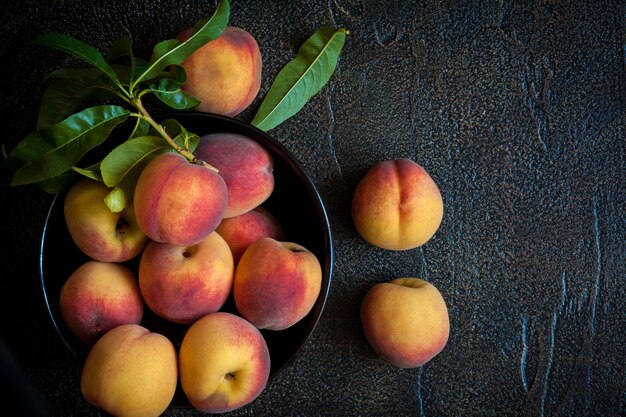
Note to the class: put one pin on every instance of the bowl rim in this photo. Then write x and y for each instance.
(320, 210)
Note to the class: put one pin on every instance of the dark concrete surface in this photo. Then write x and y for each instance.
(516, 109)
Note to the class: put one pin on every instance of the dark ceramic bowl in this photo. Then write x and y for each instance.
(296, 204)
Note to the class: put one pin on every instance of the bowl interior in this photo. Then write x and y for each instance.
(295, 203)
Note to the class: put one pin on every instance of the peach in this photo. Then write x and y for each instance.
(397, 205)
(99, 233)
(405, 321)
(130, 372)
(183, 283)
(243, 230)
(276, 283)
(245, 165)
(179, 202)
(99, 296)
(224, 74)
(224, 363)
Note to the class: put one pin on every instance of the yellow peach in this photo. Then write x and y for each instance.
(179, 202)
(99, 233)
(130, 372)
(246, 166)
(397, 205)
(183, 283)
(405, 321)
(276, 283)
(99, 296)
(225, 73)
(243, 230)
(224, 363)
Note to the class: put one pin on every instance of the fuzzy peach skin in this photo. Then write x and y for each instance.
(130, 372)
(99, 233)
(397, 205)
(99, 296)
(178, 202)
(224, 74)
(246, 166)
(183, 283)
(224, 363)
(405, 321)
(276, 283)
(243, 230)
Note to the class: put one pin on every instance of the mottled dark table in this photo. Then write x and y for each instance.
(517, 111)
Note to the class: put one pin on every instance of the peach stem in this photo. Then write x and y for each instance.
(184, 152)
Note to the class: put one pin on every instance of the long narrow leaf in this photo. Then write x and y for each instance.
(174, 52)
(92, 172)
(122, 47)
(301, 78)
(123, 165)
(61, 99)
(91, 73)
(50, 152)
(59, 183)
(122, 160)
(79, 49)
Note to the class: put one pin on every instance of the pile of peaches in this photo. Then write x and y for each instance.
(199, 237)
(202, 237)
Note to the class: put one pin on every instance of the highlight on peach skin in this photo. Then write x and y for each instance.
(405, 321)
(99, 296)
(224, 363)
(397, 205)
(243, 230)
(246, 166)
(224, 74)
(97, 231)
(130, 372)
(276, 283)
(178, 202)
(183, 283)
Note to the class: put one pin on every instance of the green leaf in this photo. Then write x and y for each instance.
(92, 172)
(59, 183)
(61, 99)
(169, 92)
(182, 136)
(78, 49)
(174, 52)
(122, 47)
(123, 165)
(71, 86)
(301, 78)
(50, 152)
(90, 73)
(142, 127)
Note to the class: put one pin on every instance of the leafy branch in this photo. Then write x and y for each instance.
(48, 157)
(53, 156)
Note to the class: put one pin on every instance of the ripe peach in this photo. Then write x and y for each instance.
(397, 205)
(99, 233)
(178, 202)
(224, 74)
(224, 363)
(99, 296)
(183, 283)
(405, 321)
(243, 230)
(245, 165)
(276, 283)
(130, 372)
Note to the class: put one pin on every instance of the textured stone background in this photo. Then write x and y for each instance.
(517, 111)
